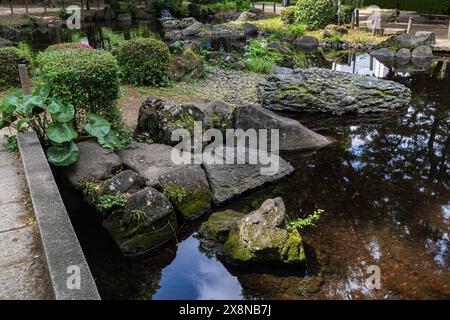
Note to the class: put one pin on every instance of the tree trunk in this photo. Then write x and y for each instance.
(26, 5)
(11, 7)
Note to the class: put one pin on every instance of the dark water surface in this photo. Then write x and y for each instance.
(385, 189)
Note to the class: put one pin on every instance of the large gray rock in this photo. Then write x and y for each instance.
(332, 30)
(5, 43)
(306, 42)
(403, 54)
(230, 180)
(422, 52)
(383, 54)
(247, 16)
(322, 90)
(186, 66)
(216, 114)
(147, 221)
(124, 17)
(250, 29)
(8, 32)
(94, 164)
(186, 22)
(170, 24)
(149, 160)
(126, 181)
(192, 30)
(159, 118)
(293, 135)
(188, 190)
(429, 37)
(262, 236)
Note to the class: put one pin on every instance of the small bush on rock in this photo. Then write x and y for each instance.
(84, 77)
(315, 14)
(144, 61)
(9, 59)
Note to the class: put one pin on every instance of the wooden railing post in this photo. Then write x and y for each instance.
(24, 79)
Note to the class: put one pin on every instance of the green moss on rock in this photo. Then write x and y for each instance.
(219, 224)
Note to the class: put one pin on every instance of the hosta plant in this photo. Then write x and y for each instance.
(52, 120)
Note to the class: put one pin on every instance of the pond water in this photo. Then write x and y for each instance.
(385, 189)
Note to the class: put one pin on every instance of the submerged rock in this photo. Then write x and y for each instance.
(218, 226)
(321, 90)
(293, 135)
(230, 180)
(188, 190)
(94, 163)
(147, 222)
(160, 118)
(262, 236)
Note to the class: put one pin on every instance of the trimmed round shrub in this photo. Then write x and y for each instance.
(315, 14)
(288, 15)
(10, 58)
(144, 61)
(85, 77)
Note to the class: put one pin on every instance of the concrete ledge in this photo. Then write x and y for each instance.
(63, 253)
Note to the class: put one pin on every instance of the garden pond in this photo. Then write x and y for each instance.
(384, 186)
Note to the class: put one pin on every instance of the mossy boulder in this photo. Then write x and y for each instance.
(188, 190)
(147, 221)
(262, 236)
(218, 226)
(159, 118)
(186, 66)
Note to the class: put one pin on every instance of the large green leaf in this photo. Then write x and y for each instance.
(10, 105)
(97, 126)
(4, 123)
(42, 91)
(61, 112)
(63, 155)
(28, 103)
(110, 141)
(60, 132)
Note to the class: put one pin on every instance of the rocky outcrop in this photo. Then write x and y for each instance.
(147, 220)
(192, 30)
(250, 29)
(159, 118)
(263, 236)
(186, 66)
(5, 43)
(230, 180)
(332, 30)
(151, 161)
(188, 190)
(217, 228)
(292, 135)
(306, 42)
(322, 90)
(8, 32)
(247, 16)
(94, 163)
(216, 114)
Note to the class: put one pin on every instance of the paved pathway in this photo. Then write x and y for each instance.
(22, 271)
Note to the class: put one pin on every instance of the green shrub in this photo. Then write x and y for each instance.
(346, 13)
(174, 6)
(421, 6)
(9, 59)
(84, 77)
(288, 15)
(315, 14)
(144, 61)
(63, 14)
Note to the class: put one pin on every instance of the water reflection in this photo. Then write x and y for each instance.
(362, 64)
(193, 275)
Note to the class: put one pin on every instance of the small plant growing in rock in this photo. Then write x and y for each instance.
(106, 202)
(309, 221)
(175, 194)
(10, 144)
